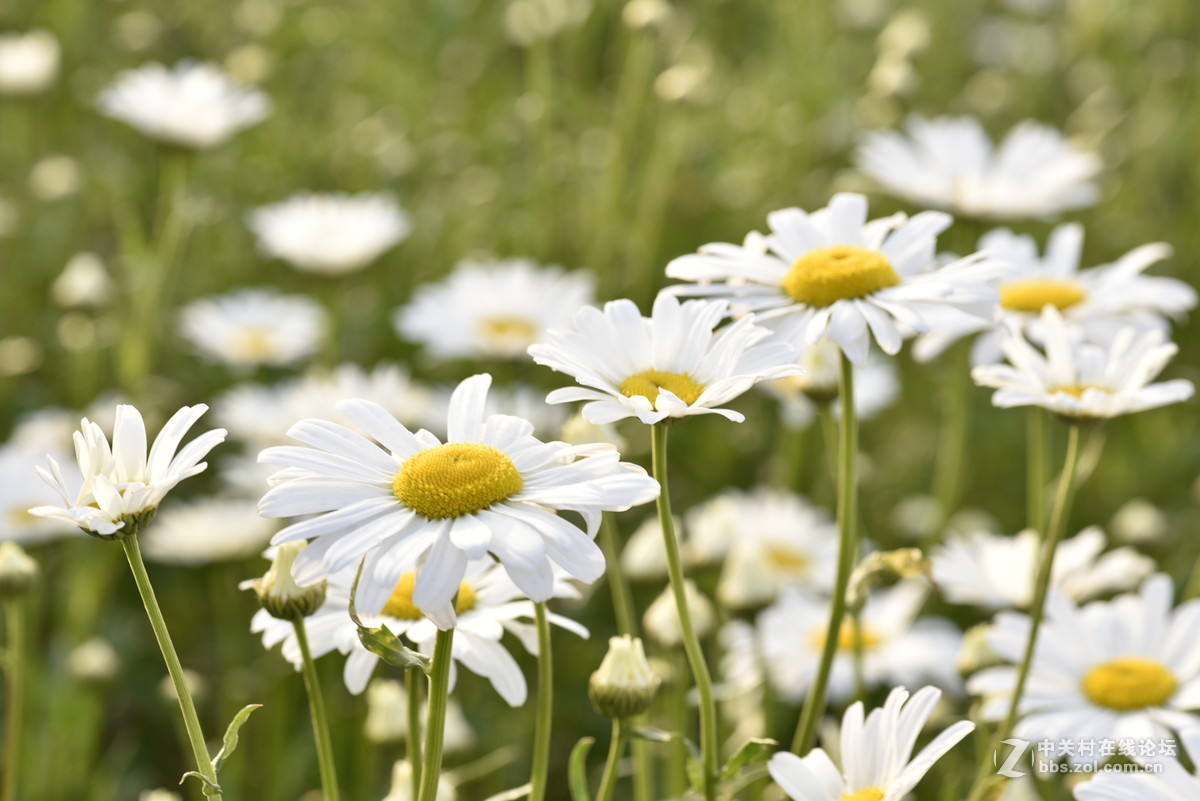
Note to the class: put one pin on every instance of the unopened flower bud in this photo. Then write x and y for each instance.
(976, 652)
(279, 593)
(94, 661)
(18, 570)
(624, 685)
(884, 566)
(662, 618)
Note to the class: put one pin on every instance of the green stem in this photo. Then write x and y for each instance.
(14, 623)
(622, 598)
(435, 723)
(1064, 496)
(691, 643)
(847, 490)
(948, 469)
(608, 781)
(540, 768)
(412, 684)
(191, 722)
(320, 722)
(1036, 487)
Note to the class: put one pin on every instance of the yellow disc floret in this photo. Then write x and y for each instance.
(843, 272)
(1034, 294)
(788, 560)
(849, 636)
(686, 388)
(456, 479)
(1128, 683)
(401, 605)
(869, 794)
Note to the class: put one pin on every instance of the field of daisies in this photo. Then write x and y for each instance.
(581, 401)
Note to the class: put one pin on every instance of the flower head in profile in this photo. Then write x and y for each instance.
(121, 486)
(28, 62)
(330, 233)
(253, 327)
(876, 753)
(411, 503)
(951, 163)
(1081, 380)
(831, 274)
(192, 105)
(1168, 781)
(671, 364)
(491, 310)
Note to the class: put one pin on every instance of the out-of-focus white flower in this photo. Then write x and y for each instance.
(84, 282)
(644, 557)
(1139, 521)
(94, 661)
(193, 105)
(662, 617)
(330, 234)
(578, 430)
(55, 177)
(21, 490)
(205, 531)
(252, 327)
(159, 794)
(950, 163)
(1168, 780)
(18, 570)
(28, 62)
(876, 386)
(387, 717)
(402, 784)
(527, 21)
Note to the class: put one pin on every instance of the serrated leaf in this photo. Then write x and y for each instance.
(511, 795)
(753, 750)
(230, 743)
(577, 769)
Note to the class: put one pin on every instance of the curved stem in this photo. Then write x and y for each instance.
(412, 683)
(608, 781)
(435, 722)
(316, 710)
(1063, 498)
(191, 721)
(622, 598)
(14, 630)
(814, 704)
(545, 707)
(691, 643)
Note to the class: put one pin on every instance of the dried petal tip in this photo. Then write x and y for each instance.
(18, 571)
(624, 685)
(279, 593)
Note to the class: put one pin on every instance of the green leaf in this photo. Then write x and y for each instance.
(577, 769)
(511, 795)
(654, 735)
(752, 751)
(230, 743)
(380, 641)
(209, 786)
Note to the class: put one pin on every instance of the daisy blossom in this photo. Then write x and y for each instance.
(671, 364)
(1083, 380)
(330, 234)
(410, 502)
(20, 489)
(1129, 667)
(876, 753)
(28, 62)
(121, 486)
(252, 327)
(876, 386)
(493, 309)
(950, 163)
(1170, 781)
(831, 274)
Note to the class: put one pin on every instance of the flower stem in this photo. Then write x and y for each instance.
(435, 723)
(948, 469)
(187, 707)
(622, 598)
(412, 683)
(847, 491)
(14, 629)
(691, 643)
(320, 723)
(608, 781)
(1036, 454)
(545, 707)
(1064, 496)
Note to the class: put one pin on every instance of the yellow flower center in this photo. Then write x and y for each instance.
(869, 794)
(788, 560)
(849, 636)
(401, 603)
(1034, 294)
(253, 344)
(455, 480)
(842, 272)
(1128, 683)
(686, 388)
(515, 331)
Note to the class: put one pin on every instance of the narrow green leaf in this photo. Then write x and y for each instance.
(752, 751)
(381, 641)
(577, 769)
(230, 743)
(210, 786)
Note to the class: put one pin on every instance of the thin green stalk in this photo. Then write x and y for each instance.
(1036, 454)
(1064, 496)
(14, 631)
(540, 80)
(412, 683)
(187, 707)
(622, 598)
(691, 643)
(608, 781)
(847, 490)
(320, 722)
(435, 722)
(948, 467)
(540, 768)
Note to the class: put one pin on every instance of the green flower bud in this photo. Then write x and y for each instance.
(279, 593)
(624, 685)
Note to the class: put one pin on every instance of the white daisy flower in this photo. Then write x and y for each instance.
(1100, 300)
(671, 364)
(205, 531)
(1129, 667)
(876, 386)
(1169, 781)
(121, 487)
(28, 62)
(488, 605)
(950, 163)
(898, 649)
(411, 501)
(330, 234)
(253, 327)
(833, 275)
(1083, 380)
(190, 105)
(20, 489)
(995, 571)
(644, 554)
(661, 620)
(491, 310)
(876, 753)
(518, 400)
